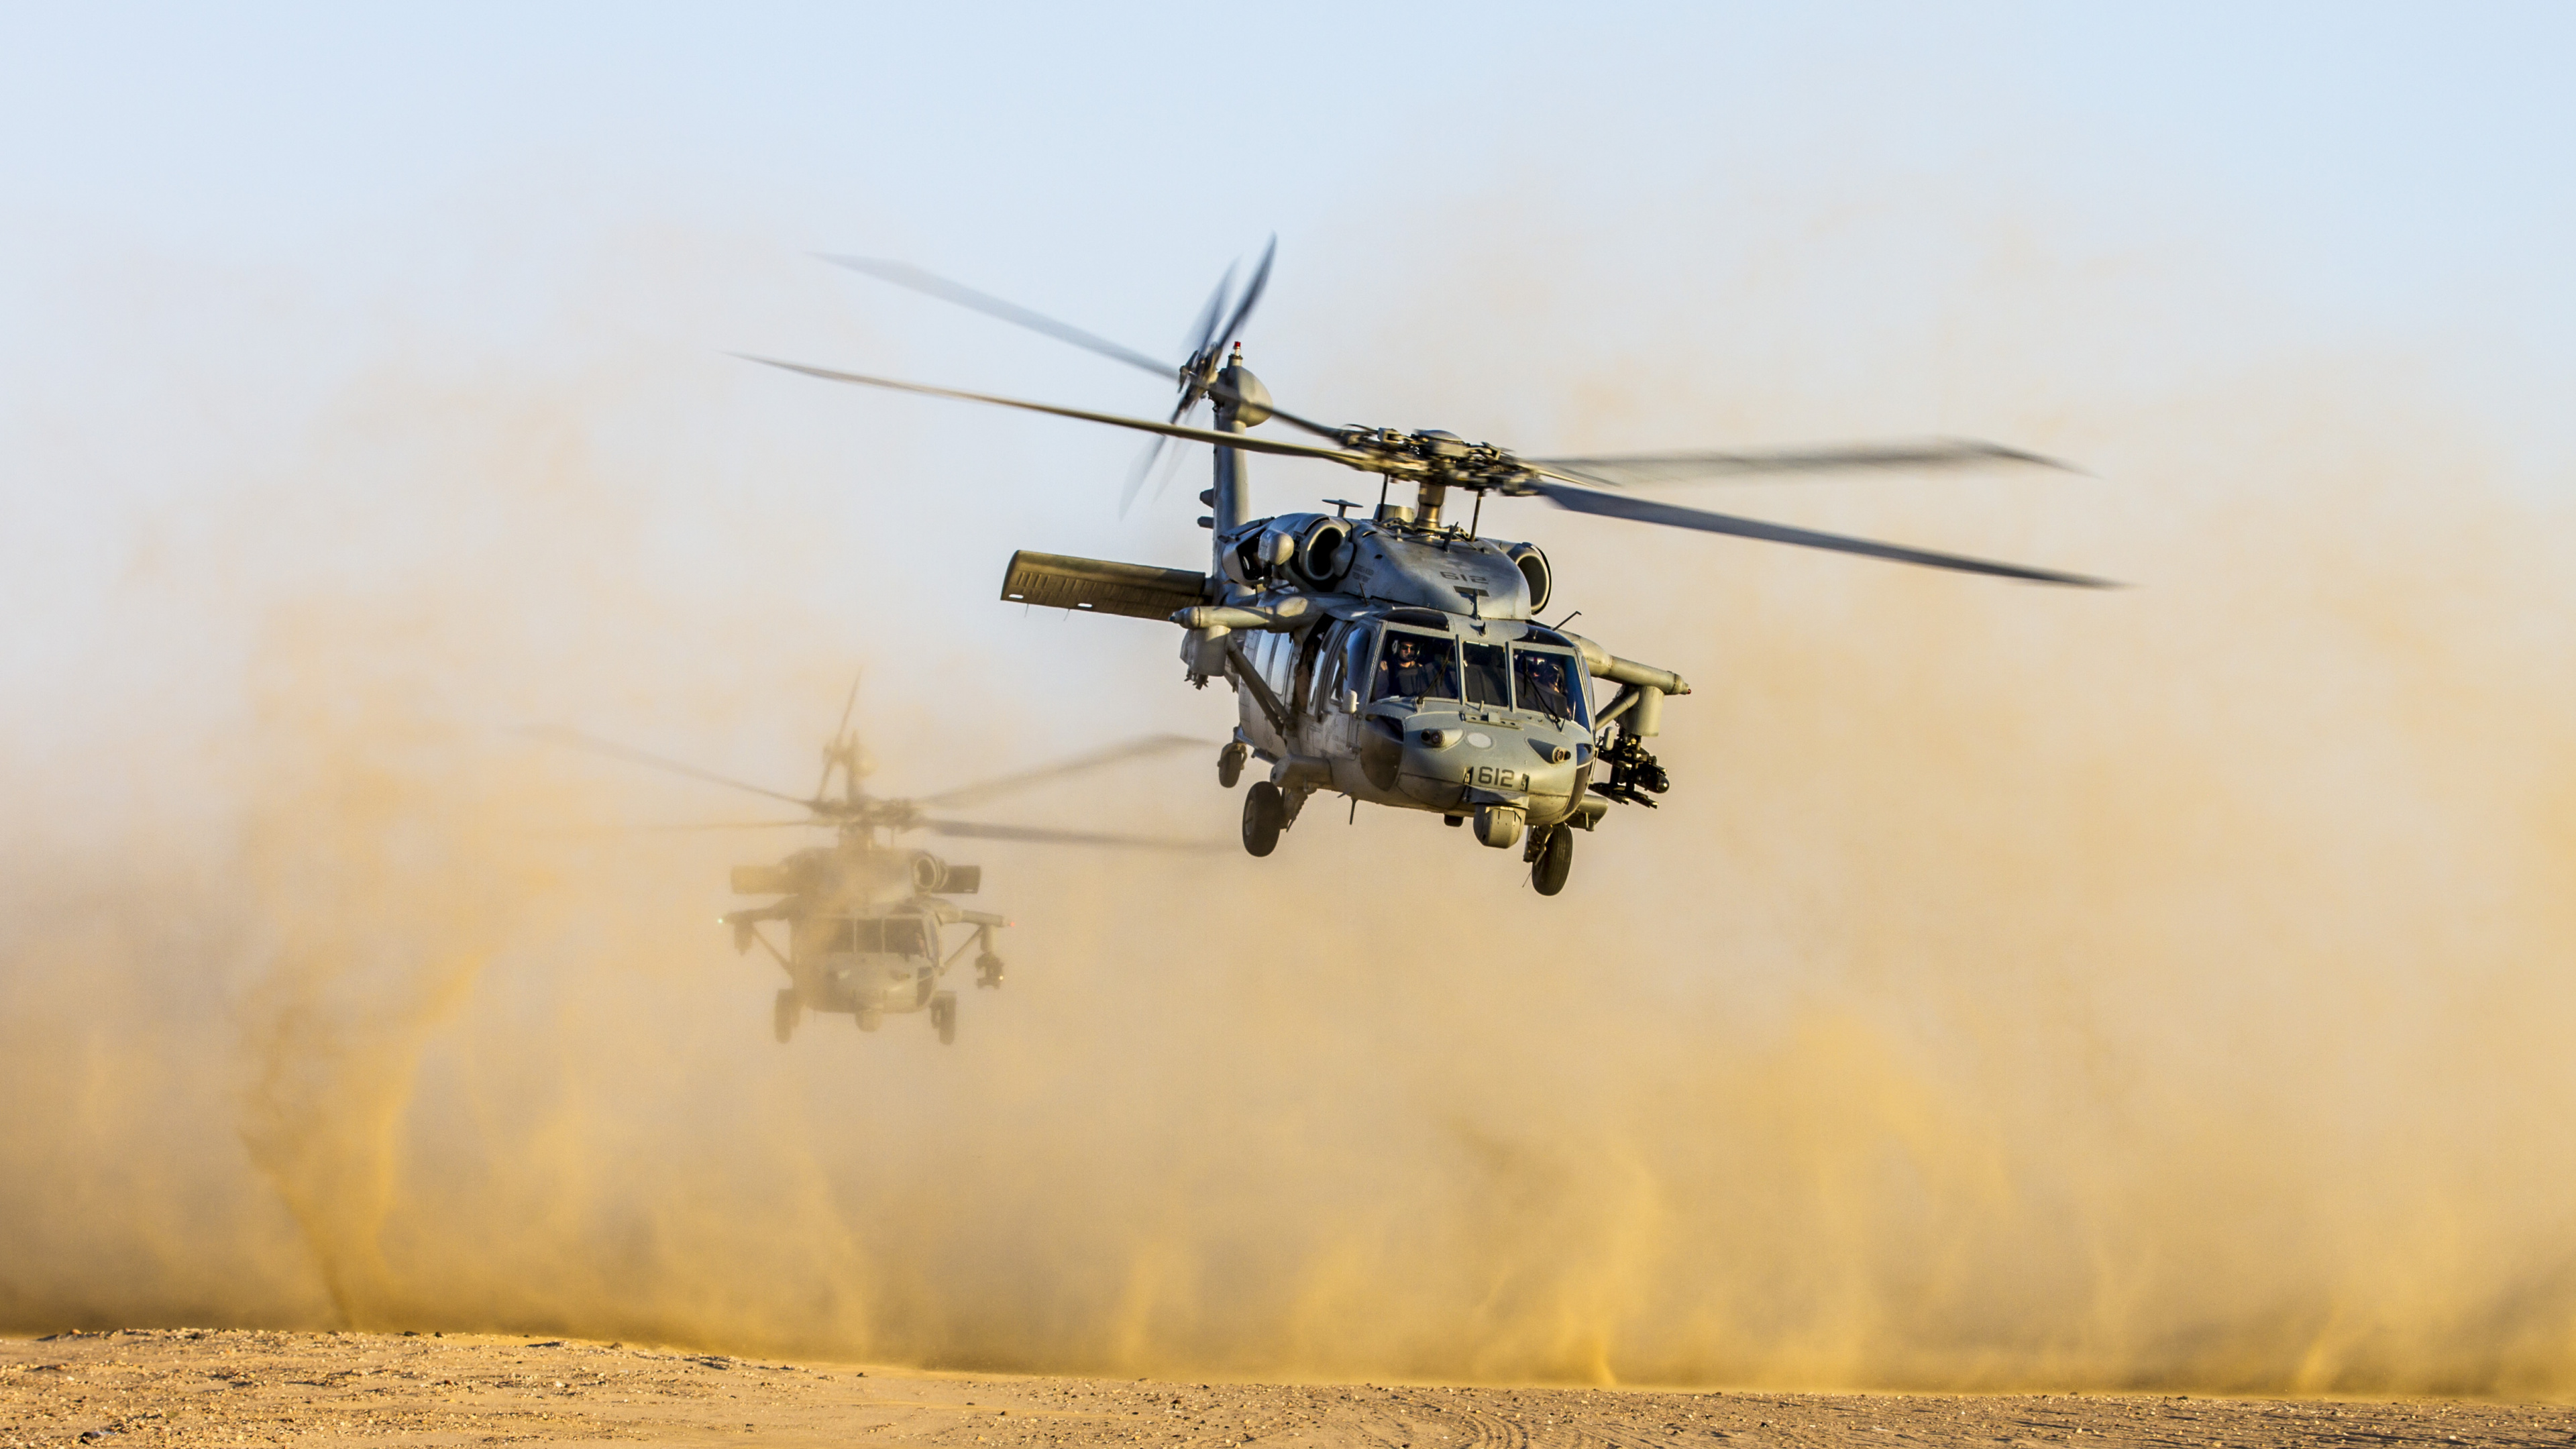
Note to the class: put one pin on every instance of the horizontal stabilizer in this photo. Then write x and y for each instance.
(1141, 591)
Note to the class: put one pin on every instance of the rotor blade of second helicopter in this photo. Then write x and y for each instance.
(1038, 835)
(1648, 468)
(1244, 441)
(579, 741)
(1644, 510)
(904, 274)
(983, 790)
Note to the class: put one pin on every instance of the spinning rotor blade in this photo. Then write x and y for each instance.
(579, 741)
(903, 274)
(1244, 441)
(1203, 335)
(983, 790)
(726, 825)
(1251, 296)
(1648, 468)
(838, 731)
(1038, 835)
(1642, 510)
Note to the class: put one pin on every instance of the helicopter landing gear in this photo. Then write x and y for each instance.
(784, 1017)
(988, 971)
(870, 1018)
(1229, 764)
(1264, 816)
(943, 1017)
(1551, 861)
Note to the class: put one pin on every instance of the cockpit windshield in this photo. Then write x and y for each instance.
(892, 936)
(1546, 683)
(1416, 666)
(1489, 678)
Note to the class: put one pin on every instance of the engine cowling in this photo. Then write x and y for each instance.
(934, 876)
(1532, 562)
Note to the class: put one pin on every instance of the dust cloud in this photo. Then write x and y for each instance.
(2020, 989)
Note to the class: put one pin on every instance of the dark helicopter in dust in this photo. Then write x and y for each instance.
(867, 919)
(1399, 659)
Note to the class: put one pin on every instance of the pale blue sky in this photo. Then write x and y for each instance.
(213, 219)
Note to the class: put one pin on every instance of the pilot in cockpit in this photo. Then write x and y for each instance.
(1416, 666)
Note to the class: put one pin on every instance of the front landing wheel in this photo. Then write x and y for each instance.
(1264, 816)
(1555, 861)
(783, 1018)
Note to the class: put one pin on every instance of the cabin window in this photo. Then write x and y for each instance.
(1416, 666)
(1546, 683)
(1489, 676)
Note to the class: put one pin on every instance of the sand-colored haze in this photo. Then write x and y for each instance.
(2165, 988)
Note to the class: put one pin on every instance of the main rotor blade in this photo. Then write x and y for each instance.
(904, 274)
(1245, 441)
(983, 790)
(1037, 835)
(729, 825)
(1642, 510)
(1647, 468)
(1251, 294)
(579, 741)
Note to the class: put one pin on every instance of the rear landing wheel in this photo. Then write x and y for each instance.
(943, 1016)
(1264, 816)
(784, 1017)
(1555, 860)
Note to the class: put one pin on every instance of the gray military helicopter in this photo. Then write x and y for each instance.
(1399, 659)
(866, 918)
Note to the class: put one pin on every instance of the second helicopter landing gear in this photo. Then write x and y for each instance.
(943, 1016)
(988, 971)
(1229, 764)
(1265, 814)
(1551, 858)
(870, 1018)
(785, 1016)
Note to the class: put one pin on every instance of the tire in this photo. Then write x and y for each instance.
(784, 1015)
(1229, 766)
(943, 1017)
(870, 1018)
(1555, 861)
(1264, 816)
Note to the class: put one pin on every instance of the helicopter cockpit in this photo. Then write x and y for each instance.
(1537, 673)
(878, 936)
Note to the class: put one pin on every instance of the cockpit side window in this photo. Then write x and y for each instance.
(1489, 676)
(1546, 682)
(1417, 666)
(1355, 656)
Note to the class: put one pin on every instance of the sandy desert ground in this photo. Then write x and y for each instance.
(205, 1387)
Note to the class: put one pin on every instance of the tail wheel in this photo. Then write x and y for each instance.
(943, 1016)
(783, 1018)
(1555, 861)
(1264, 816)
